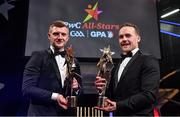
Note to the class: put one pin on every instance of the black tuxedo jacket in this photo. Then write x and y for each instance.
(136, 91)
(42, 78)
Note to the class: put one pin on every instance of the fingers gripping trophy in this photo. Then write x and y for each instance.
(72, 99)
(105, 65)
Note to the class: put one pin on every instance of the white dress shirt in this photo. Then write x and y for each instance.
(125, 62)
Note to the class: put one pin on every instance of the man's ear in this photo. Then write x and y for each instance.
(139, 38)
(48, 35)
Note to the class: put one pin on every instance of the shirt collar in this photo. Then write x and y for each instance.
(134, 51)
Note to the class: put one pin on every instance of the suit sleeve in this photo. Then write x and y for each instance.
(30, 79)
(149, 79)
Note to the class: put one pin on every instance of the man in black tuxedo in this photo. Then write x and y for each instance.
(45, 75)
(134, 80)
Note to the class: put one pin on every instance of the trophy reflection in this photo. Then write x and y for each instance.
(105, 65)
(70, 96)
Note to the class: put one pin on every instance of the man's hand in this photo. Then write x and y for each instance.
(100, 83)
(111, 106)
(62, 101)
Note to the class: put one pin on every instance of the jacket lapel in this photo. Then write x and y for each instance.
(55, 66)
(128, 65)
(116, 73)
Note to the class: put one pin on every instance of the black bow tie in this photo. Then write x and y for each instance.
(129, 54)
(62, 53)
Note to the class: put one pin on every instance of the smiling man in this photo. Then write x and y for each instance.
(134, 80)
(45, 75)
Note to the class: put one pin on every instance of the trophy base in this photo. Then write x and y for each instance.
(72, 101)
(102, 101)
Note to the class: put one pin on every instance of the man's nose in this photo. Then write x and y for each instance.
(124, 38)
(59, 35)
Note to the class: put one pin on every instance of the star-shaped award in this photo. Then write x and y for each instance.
(4, 8)
(105, 65)
(108, 53)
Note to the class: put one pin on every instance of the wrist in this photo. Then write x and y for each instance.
(54, 96)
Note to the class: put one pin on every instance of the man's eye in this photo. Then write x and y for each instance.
(127, 35)
(121, 36)
(55, 33)
(63, 34)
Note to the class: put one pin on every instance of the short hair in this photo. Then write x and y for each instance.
(130, 25)
(59, 24)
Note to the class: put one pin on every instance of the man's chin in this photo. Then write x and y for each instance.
(125, 49)
(58, 46)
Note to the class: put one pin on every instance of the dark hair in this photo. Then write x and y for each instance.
(131, 25)
(59, 24)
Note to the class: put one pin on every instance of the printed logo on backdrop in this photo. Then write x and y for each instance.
(92, 12)
(91, 25)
